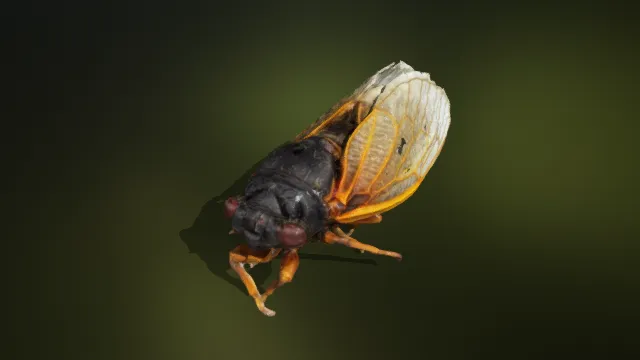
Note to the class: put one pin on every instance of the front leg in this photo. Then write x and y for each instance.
(244, 255)
(288, 268)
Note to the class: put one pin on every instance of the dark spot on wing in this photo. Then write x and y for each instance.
(401, 146)
(373, 104)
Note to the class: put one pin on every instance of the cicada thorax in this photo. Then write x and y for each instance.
(288, 188)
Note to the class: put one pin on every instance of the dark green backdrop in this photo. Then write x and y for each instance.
(128, 118)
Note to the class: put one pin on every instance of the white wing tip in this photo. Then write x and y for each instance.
(403, 65)
(394, 73)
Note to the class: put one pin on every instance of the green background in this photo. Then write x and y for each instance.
(521, 243)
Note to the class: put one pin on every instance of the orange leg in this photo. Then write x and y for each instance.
(288, 268)
(332, 238)
(244, 255)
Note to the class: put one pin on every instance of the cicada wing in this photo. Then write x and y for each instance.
(357, 105)
(393, 148)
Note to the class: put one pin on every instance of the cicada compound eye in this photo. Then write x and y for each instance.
(230, 207)
(291, 235)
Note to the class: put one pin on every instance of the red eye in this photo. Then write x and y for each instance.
(230, 206)
(291, 235)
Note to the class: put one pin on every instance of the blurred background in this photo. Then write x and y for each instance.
(125, 119)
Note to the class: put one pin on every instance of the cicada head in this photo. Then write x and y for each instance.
(263, 225)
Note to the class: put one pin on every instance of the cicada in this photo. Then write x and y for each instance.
(368, 154)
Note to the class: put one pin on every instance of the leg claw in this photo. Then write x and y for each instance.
(268, 312)
(263, 309)
(394, 255)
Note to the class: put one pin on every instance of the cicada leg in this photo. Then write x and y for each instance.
(374, 219)
(333, 238)
(242, 255)
(340, 232)
(288, 268)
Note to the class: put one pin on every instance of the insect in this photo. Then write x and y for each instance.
(365, 156)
